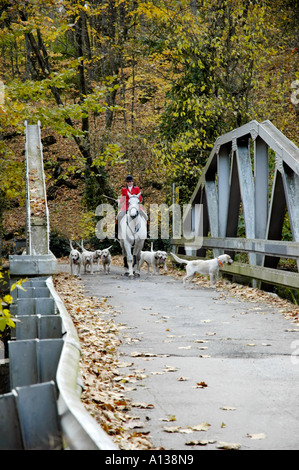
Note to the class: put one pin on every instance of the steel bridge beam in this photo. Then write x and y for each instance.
(236, 182)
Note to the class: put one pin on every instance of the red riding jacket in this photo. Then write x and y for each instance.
(124, 200)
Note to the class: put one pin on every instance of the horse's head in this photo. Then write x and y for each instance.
(133, 209)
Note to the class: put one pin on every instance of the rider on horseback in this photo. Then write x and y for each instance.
(129, 189)
(125, 196)
(132, 226)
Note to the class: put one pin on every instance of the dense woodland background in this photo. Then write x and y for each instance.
(134, 86)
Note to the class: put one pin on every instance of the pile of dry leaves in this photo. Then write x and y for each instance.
(104, 394)
(250, 294)
(37, 202)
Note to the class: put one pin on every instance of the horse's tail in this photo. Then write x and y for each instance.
(179, 260)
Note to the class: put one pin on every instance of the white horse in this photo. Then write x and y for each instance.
(132, 233)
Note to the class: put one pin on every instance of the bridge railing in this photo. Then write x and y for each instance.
(252, 175)
(41, 408)
(278, 277)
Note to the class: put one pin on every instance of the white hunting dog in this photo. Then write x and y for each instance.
(75, 259)
(149, 257)
(106, 259)
(162, 258)
(97, 257)
(87, 259)
(208, 267)
(153, 259)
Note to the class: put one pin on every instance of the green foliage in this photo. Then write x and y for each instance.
(111, 155)
(51, 82)
(11, 176)
(32, 100)
(148, 85)
(6, 320)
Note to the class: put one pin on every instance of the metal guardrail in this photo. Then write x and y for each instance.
(43, 409)
(79, 429)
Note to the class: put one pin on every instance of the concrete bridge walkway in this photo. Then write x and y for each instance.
(205, 356)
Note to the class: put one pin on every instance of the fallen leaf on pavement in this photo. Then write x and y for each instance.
(170, 369)
(228, 445)
(201, 427)
(142, 405)
(202, 442)
(188, 430)
(177, 429)
(141, 354)
(171, 428)
(169, 418)
(201, 385)
(257, 436)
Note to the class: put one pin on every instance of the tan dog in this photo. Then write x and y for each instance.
(208, 267)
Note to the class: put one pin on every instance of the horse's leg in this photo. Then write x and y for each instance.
(129, 257)
(124, 253)
(137, 255)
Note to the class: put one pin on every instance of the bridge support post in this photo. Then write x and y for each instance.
(261, 196)
(38, 260)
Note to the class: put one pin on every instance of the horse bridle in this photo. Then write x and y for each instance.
(137, 211)
(137, 228)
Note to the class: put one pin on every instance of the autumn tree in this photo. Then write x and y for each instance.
(67, 80)
(146, 84)
(217, 53)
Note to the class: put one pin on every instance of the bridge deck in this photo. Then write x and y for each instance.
(174, 338)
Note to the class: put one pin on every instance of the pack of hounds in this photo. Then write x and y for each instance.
(87, 259)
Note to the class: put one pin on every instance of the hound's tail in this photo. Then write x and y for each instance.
(179, 260)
